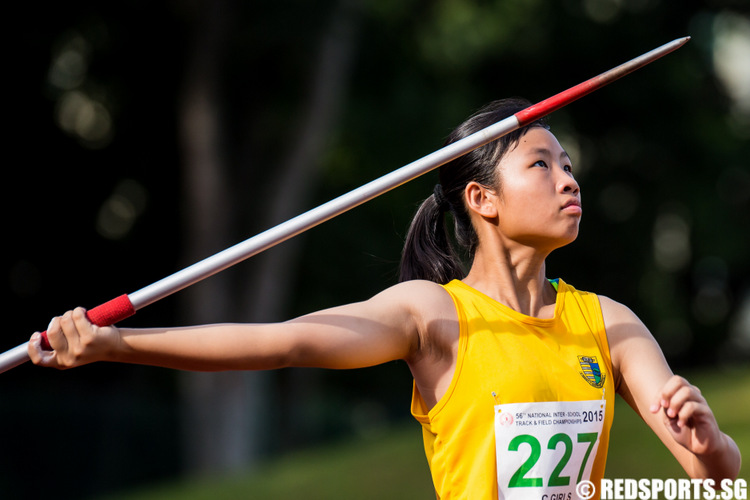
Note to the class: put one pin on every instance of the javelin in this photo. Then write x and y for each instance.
(125, 306)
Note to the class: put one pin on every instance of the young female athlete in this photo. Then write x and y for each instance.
(514, 374)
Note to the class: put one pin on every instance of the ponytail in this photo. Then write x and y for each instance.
(428, 253)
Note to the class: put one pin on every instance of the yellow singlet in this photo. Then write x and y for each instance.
(530, 406)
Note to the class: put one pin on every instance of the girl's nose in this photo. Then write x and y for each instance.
(568, 184)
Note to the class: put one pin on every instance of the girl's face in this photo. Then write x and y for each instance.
(539, 203)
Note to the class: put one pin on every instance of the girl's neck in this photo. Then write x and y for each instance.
(516, 279)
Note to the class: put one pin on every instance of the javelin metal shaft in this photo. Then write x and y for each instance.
(373, 189)
(126, 305)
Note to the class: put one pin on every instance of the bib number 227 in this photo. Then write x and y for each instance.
(520, 478)
(549, 446)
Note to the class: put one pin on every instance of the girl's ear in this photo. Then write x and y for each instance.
(481, 200)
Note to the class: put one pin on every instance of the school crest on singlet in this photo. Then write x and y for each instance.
(591, 372)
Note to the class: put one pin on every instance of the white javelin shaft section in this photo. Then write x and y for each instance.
(318, 215)
(14, 357)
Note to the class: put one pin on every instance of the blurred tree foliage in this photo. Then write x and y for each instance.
(95, 175)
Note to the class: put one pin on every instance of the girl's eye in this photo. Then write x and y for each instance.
(568, 168)
(540, 163)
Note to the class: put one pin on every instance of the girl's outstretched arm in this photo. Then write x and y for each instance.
(386, 327)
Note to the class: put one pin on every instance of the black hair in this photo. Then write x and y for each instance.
(428, 250)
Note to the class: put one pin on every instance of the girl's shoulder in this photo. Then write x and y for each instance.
(429, 305)
(425, 296)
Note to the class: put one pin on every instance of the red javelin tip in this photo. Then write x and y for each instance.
(564, 98)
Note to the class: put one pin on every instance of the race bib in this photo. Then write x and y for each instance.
(546, 448)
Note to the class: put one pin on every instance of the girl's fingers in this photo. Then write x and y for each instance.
(70, 330)
(661, 397)
(679, 398)
(64, 338)
(664, 398)
(55, 335)
(35, 348)
(39, 355)
(688, 411)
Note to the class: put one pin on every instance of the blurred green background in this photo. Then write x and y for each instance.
(145, 136)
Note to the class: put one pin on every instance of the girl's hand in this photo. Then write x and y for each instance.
(687, 417)
(75, 341)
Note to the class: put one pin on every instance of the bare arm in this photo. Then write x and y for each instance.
(383, 328)
(673, 408)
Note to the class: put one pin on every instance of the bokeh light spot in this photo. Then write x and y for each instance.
(671, 238)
